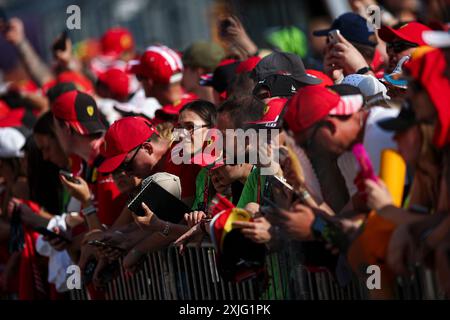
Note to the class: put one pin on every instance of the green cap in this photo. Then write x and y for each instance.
(202, 54)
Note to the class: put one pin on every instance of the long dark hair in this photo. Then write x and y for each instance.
(43, 179)
(204, 109)
(43, 176)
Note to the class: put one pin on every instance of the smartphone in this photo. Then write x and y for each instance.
(52, 235)
(282, 193)
(69, 176)
(60, 43)
(333, 36)
(101, 244)
(268, 207)
(224, 25)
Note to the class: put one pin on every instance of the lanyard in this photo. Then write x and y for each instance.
(204, 204)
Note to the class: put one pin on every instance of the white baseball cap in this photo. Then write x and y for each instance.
(371, 88)
(167, 181)
(11, 143)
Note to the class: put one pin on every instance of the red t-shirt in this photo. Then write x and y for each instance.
(107, 197)
(186, 172)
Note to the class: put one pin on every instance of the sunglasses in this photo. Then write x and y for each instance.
(127, 165)
(399, 46)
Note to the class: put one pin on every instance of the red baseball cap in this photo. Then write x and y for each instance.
(123, 136)
(159, 63)
(13, 118)
(248, 65)
(117, 81)
(273, 114)
(4, 109)
(411, 32)
(174, 109)
(79, 110)
(115, 41)
(80, 81)
(313, 103)
(326, 80)
(428, 68)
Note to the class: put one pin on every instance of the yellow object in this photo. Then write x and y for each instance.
(393, 173)
(236, 214)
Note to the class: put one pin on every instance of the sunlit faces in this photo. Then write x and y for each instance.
(140, 161)
(192, 129)
(396, 51)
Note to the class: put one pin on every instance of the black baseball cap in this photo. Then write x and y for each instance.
(222, 76)
(80, 111)
(58, 89)
(353, 28)
(278, 85)
(405, 120)
(283, 63)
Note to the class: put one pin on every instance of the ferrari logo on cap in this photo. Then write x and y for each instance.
(266, 108)
(90, 110)
(125, 41)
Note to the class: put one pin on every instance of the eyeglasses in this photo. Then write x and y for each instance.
(191, 127)
(399, 46)
(127, 165)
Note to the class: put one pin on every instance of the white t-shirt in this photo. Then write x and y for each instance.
(375, 141)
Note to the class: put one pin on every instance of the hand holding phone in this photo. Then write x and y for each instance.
(224, 24)
(60, 42)
(69, 176)
(333, 36)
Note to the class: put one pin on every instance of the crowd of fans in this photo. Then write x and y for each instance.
(83, 137)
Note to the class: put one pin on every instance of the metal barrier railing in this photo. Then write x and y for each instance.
(166, 275)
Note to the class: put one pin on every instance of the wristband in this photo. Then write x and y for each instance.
(89, 211)
(363, 70)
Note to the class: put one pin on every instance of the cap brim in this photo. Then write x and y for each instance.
(89, 127)
(321, 33)
(263, 125)
(307, 79)
(388, 34)
(348, 105)
(111, 164)
(395, 124)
